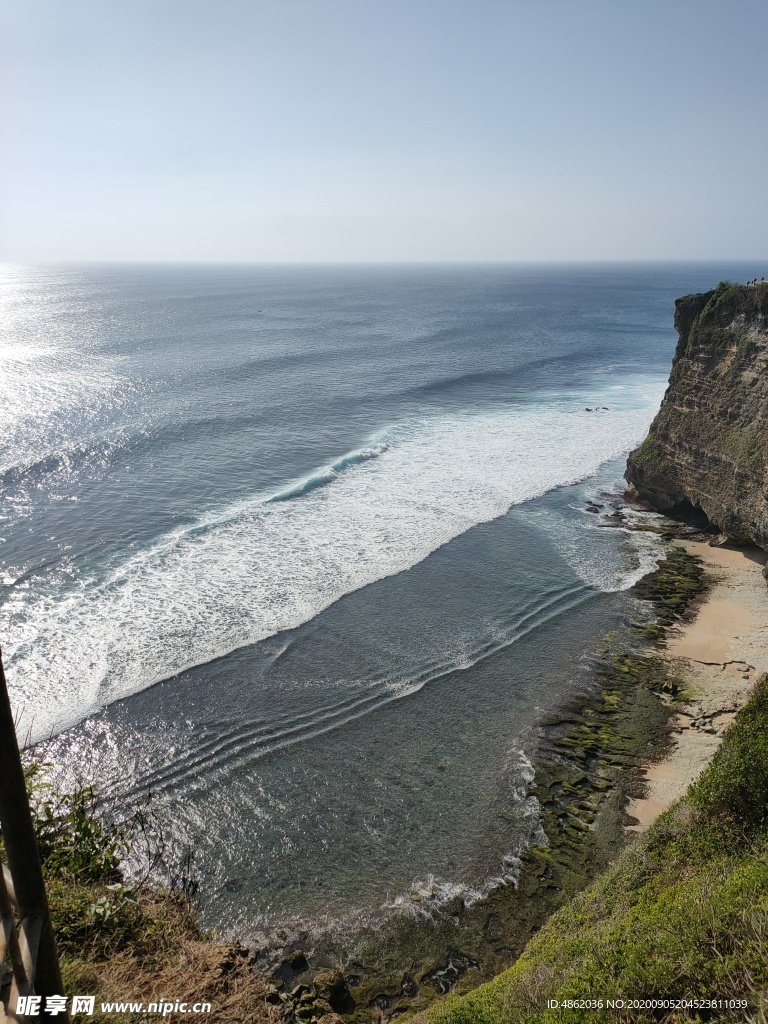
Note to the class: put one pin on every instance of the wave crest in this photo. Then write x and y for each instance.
(263, 565)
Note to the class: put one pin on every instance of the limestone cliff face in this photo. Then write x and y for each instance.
(707, 449)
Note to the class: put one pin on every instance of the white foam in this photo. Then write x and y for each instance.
(606, 566)
(432, 895)
(262, 566)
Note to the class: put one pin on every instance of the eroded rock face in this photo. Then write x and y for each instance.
(707, 449)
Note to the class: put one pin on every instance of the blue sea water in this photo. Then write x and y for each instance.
(304, 550)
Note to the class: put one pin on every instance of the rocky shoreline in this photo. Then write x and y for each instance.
(588, 764)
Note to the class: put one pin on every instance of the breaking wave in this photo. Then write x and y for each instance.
(274, 561)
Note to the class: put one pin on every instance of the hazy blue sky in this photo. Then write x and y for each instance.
(395, 129)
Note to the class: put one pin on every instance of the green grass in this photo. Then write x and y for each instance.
(650, 455)
(724, 291)
(743, 447)
(683, 913)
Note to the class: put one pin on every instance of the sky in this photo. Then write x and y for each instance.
(354, 130)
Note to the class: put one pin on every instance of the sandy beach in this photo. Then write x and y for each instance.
(719, 653)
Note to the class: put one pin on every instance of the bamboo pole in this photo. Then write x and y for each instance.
(24, 860)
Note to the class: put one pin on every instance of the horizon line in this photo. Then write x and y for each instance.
(383, 262)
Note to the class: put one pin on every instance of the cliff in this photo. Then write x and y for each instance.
(707, 449)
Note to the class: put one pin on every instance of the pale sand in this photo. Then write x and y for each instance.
(719, 654)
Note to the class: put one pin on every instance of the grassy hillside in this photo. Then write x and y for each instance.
(682, 914)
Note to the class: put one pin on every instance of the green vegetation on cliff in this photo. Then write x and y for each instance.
(682, 914)
(650, 455)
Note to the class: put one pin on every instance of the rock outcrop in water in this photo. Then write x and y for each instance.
(707, 449)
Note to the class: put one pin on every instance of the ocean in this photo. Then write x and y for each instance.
(302, 554)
